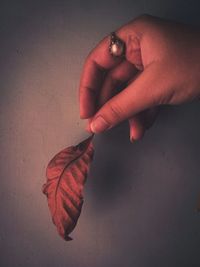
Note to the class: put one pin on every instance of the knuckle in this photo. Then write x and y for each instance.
(114, 78)
(115, 111)
(112, 75)
(91, 53)
(146, 20)
(88, 89)
(89, 57)
(167, 97)
(144, 17)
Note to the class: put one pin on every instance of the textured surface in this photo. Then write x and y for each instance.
(66, 175)
(140, 198)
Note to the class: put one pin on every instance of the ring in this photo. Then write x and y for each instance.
(117, 46)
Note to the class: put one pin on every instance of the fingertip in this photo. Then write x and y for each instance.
(87, 106)
(99, 124)
(88, 128)
(86, 113)
(82, 117)
(132, 140)
(137, 130)
(82, 113)
(136, 136)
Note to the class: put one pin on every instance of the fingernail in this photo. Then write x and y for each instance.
(99, 125)
(132, 139)
(88, 129)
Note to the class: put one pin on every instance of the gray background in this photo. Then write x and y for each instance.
(140, 198)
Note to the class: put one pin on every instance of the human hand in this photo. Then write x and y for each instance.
(161, 66)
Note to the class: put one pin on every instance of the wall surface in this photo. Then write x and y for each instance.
(140, 198)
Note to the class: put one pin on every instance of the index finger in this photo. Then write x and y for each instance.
(98, 62)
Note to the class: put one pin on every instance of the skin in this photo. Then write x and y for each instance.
(161, 67)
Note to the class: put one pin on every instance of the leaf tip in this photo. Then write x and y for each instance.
(68, 238)
(84, 144)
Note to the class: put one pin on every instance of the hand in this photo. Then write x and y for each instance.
(161, 66)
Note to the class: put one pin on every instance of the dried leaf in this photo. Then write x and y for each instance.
(66, 174)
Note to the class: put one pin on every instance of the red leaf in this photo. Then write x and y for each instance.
(66, 174)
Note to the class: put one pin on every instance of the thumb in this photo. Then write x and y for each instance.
(148, 90)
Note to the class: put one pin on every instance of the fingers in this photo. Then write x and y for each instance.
(90, 85)
(115, 79)
(136, 97)
(100, 61)
(137, 127)
(142, 122)
(96, 65)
